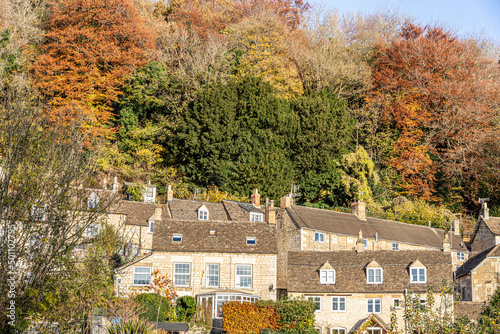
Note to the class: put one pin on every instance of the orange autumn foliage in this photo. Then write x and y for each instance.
(440, 94)
(91, 45)
(212, 17)
(248, 317)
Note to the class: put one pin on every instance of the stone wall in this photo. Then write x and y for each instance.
(484, 280)
(263, 272)
(483, 239)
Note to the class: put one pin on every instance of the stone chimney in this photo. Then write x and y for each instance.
(270, 212)
(485, 212)
(286, 201)
(455, 226)
(359, 209)
(158, 213)
(255, 198)
(446, 243)
(170, 193)
(104, 184)
(115, 185)
(360, 243)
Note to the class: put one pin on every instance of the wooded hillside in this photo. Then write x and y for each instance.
(234, 95)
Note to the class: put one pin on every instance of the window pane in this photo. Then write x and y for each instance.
(377, 305)
(182, 274)
(370, 305)
(213, 275)
(243, 276)
(342, 303)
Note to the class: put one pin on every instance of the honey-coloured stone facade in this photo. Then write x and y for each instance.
(263, 272)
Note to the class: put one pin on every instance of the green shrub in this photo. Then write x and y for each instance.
(134, 326)
(149, 303)
(296, 315)
(185, 308)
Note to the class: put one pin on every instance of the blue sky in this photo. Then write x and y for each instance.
(480, 17)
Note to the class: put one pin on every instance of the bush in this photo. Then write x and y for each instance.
(296, 315)
(248, 317)
(149, 303)
(134, 326)
(284, 316)
(185, 308)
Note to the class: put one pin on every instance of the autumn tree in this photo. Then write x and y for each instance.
(90, 47)
(441, 96)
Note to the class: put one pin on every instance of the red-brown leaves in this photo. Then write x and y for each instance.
(91, 45)
(439, 93)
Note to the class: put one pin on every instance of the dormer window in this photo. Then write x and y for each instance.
(327, 276)
(203, 213)
(251, 241)
(418, 272)
(149, 193)
(151, 226)
(92, 201)
(374, 276)
(256, 217)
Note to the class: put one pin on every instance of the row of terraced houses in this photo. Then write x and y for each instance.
(354, 267)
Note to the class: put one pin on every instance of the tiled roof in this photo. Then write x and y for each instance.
(235, 211)
(230, 237)
(493, 224)
(350, 224)
(476, 260)
(138, 213)
(183, 209)
(303, 273)
(472, 310)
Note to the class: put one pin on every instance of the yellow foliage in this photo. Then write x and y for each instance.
(213, 194)
(265, 57)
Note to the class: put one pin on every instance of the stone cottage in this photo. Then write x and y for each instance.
(352, 287)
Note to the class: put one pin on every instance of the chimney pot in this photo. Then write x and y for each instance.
(360, 243)
(170, 193)
(455, 226)
(446, 243)
(256, 197)
(286, 201)
(158, 213)
(359, 209)
(485, 211)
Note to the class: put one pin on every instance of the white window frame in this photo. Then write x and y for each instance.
(396, 246)
(216, 265)
(251, 241)
(338, 330)
(237, 278)
(256, 217)
(176, 235)
(373, 301)
(374, 270)
(316, 300)
(319, 237)
(365, 241)
(39, 212)
(92, 230)
(336, 300)
(394, 303)
(93, 203)
(418, 275)
(151, 226)
(203, 214)
(327, 276)
(460, 256)
(177, 274)
(141, 273)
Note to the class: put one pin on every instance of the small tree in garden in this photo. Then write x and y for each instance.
(185, 308)
(163, 287)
